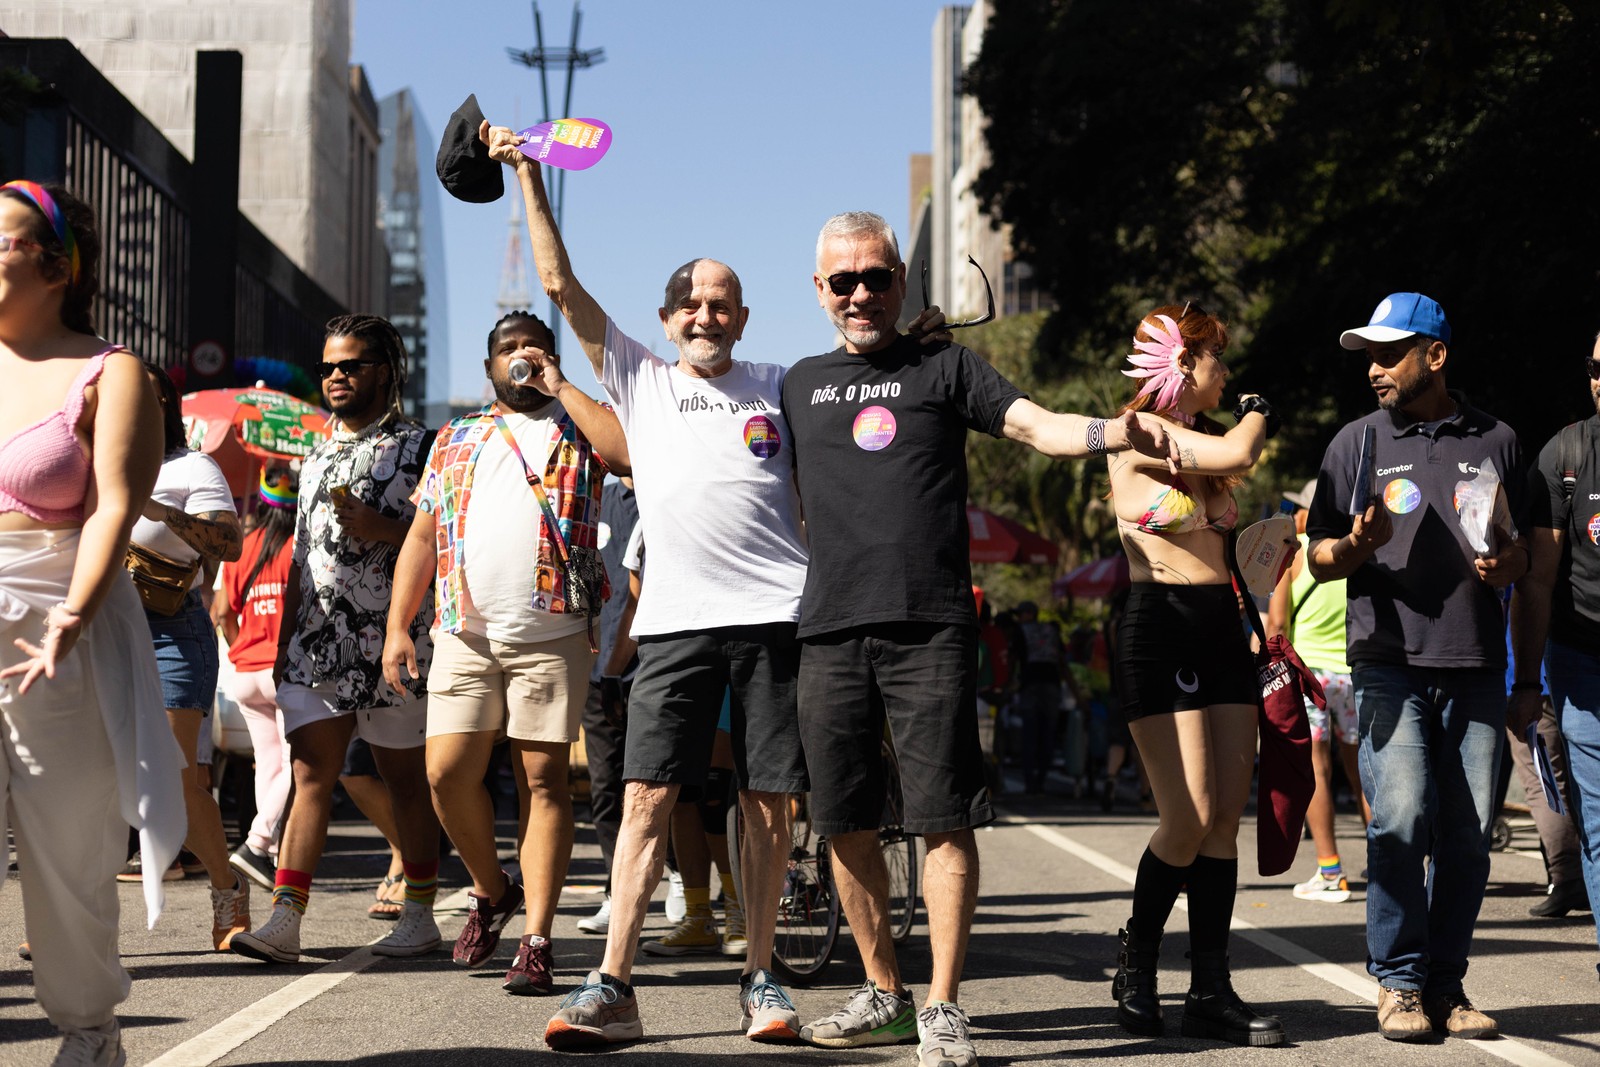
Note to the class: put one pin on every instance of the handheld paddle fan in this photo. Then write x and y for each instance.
(568, 144)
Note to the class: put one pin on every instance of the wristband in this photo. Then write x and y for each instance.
(1525, 687)
(1260, 407)
(1094, 437)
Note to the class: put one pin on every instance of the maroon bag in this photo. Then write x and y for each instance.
(1285, 781)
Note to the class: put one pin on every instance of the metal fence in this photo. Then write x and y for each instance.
(79, 130)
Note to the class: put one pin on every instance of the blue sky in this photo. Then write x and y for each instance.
(738, 128)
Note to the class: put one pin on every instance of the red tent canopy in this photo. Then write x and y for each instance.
(995, 539)
(1094, 580)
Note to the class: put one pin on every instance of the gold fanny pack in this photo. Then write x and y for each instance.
(162, 582)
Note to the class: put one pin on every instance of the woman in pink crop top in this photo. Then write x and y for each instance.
(79, 451)
(1184, 671)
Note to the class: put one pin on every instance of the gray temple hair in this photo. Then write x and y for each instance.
(851, 223)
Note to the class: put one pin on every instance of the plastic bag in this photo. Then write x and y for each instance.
(1483, 513)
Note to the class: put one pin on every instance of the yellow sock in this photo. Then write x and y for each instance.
(697, 901)
(730, 894)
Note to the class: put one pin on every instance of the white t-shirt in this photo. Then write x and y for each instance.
(633, 551)
(501, 549)
(194, 484)
(713, 465)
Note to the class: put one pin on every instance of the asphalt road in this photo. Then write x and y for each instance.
(1056, 885)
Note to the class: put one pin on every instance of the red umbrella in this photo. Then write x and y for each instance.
(245, 429)
(1093, 580)
(987, 537)
(1031, 548)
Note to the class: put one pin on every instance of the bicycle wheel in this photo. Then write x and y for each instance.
(899, 852)
(807, 926)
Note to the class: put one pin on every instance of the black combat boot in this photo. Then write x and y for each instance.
(1134, 987)
(1213, 1009)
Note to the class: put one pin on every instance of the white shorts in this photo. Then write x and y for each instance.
(1341, 696)
(403, 726)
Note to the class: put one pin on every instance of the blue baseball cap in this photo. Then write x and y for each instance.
(1398, 316)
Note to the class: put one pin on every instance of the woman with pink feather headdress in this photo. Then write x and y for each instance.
(1184, 671)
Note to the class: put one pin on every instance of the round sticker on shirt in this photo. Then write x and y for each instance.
(761, 437)
(874, 428)
(1594, 529)
(1402, 496)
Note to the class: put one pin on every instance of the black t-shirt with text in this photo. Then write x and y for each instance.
(1575, 600)
(880, 455)
(1418, 600)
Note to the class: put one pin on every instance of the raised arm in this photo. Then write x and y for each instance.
(597, 422)
(1234, 452)
(583, 314)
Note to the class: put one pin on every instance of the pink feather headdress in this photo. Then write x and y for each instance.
(1157, 363)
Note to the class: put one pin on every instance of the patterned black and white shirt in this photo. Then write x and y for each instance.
(346, 582)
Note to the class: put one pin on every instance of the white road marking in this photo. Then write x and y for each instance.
(1358, 985)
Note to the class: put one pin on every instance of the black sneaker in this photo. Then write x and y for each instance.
(190, 863)
(256, 866)
(1561, 898)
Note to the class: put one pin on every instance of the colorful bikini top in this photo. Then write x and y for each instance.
(1176, 511)
(43, 471)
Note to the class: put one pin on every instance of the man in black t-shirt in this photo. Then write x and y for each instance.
(887, 617)
(1556, 613)
(1426, 642)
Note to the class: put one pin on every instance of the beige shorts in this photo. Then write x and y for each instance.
(530, 692)
(404, 726)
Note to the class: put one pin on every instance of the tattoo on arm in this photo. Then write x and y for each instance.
(210, 534)
(1186, 458)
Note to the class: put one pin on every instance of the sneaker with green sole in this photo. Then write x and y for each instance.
(870, 1017)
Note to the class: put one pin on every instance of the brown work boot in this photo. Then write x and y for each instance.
(1400, 1015)
(1453, 1014)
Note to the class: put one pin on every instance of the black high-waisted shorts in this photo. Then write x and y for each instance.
(1183, 647)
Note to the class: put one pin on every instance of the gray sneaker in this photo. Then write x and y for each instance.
(871, 1017)
(767, 1013)
(943, 1038)
(91, 1046)
(596, 1013)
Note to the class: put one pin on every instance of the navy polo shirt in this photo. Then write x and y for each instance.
(1418, 601)
(1575, 600)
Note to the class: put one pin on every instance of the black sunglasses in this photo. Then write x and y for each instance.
(877, 280)
(988, 291)
(347, 366)
(1594, 367)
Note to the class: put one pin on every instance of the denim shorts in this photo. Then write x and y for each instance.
(186, 653)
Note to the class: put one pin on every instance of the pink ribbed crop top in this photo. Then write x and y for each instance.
(43, 471)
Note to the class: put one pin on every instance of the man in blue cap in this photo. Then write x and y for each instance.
(1425, 636)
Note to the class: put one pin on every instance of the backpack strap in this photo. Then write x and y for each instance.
(1574, 446)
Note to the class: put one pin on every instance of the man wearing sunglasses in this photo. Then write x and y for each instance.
(1555, 616)
(887, 620)
(1427, 652)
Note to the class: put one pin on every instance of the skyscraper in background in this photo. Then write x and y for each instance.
(413, 232)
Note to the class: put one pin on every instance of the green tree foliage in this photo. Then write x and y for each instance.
(1290, 164)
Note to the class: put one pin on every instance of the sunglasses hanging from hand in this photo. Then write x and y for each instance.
(987, 316)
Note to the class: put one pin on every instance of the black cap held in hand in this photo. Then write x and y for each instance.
(464, 166)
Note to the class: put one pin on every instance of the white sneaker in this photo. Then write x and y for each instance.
(91, 1046)
(677, 907)
(600, 921)
(414, 933)
(734, 940)
(278, 940)
(1327, 890)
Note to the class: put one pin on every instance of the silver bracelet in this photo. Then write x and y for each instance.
(1095, 437)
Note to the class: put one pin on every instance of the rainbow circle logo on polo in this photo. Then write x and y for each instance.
(761, 437)
(1402, 496)
(874, 428)
(1594, 529)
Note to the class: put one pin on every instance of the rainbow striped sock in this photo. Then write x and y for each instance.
(1329, 868)
(422, 882)
(292, 889)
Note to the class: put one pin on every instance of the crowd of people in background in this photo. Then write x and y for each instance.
(410, 604)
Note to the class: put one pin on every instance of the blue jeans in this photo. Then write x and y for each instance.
(1574, 678)
(1431, 741)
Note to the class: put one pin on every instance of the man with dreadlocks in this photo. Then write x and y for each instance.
(354, 510)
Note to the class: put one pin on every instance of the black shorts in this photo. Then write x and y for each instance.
(677, 698)
(923, 676)
(1183, 647)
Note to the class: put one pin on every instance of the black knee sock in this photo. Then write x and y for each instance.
(1213, 884)
(1155, 890)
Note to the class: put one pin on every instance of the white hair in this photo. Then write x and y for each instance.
(851, 223)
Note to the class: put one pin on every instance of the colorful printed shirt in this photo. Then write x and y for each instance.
(345, 582)
(573, 476)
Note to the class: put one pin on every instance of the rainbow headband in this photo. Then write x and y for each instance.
(58, 220)
(279, 493)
